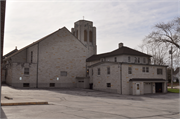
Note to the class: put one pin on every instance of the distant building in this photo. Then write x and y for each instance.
(69, 59)
(176, 74)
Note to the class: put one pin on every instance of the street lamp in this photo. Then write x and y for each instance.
(171, 52)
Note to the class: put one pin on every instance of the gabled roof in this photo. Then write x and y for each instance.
(34, 43)
(120, 51)
(10, 53)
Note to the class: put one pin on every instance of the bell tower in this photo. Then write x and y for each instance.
(85, 32)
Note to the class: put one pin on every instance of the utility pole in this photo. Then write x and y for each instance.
(171, 52)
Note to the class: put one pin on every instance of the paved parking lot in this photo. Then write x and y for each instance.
(89, 104)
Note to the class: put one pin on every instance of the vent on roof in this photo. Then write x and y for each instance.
(120, 45)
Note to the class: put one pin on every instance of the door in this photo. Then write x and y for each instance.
(80, 84)
(147, 88)
(137, 88)
(158, 87)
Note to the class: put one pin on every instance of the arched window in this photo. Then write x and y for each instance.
(90, 36)
(85, 35)
(77, 33)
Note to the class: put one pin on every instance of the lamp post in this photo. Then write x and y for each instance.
(171, 52)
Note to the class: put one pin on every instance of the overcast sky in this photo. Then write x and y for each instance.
(127, 21)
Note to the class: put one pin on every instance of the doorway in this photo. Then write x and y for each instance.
(158, 87)
(137, 88)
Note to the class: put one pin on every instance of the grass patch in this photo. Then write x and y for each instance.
(173, 90)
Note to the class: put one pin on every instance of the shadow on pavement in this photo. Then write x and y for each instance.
(3, 115)
(101, 94)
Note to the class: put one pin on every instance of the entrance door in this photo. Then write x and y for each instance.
(158, 87)
(80, 84)
(137, 88)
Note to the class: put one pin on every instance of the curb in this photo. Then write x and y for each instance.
(23, 103)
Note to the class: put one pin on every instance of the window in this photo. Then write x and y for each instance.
(90, 36)
(129, 70)
(144, 60)
(147, 69)
(92, 71)
(137, 86)
(99, 71)
(138, 60)
(135, 59)
(63, 73)
(159, 71)
(143, 69)
(25, 84)
(31, 56)
(115, 59)
(129, 59)
(108, 70)
(85, 35)
(52, 85)
(26, 71)
(108, 84)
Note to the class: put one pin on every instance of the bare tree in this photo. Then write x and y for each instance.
(158, 52)
(168, 33)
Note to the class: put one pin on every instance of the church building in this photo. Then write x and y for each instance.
(65, 59)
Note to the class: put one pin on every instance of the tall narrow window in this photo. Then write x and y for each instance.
(159, 71)
(108, 70)
(31, 56)
(138, 60)
(90, 36)
(144, 60)
(85, 35)
(92, 71)
(129, 70)
(115, 59)
(26, 71)
(135, 59)
(99, 71)
(143, 69)
(147, 69)
(129, 59)
(77, 33)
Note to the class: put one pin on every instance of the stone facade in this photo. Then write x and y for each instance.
(65, 59)
(47, 58)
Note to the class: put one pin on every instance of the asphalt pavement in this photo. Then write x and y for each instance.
(88, 104)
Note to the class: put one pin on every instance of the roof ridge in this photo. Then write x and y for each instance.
(34, 43)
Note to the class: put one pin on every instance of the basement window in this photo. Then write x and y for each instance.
(52, 85)
(108, 84)
(25, 84)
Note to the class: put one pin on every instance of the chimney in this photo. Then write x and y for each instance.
(120, 45)
(16, 47)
